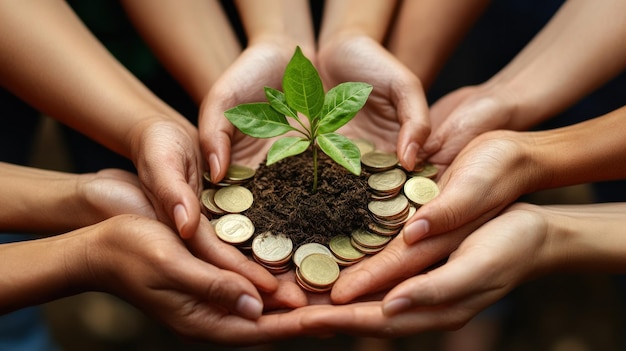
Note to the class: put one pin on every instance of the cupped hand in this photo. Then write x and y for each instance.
(395, 116)
(261, 64)
(486, 266)
(146, 263)
(169, 165)
(462, 115)
(491, 172)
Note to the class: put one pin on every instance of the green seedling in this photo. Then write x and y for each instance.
(325, 113)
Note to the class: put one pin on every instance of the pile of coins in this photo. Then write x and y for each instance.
(395, 196)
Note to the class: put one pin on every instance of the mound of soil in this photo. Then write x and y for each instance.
(284, 203)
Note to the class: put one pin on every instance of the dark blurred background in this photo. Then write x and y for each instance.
(568, 312)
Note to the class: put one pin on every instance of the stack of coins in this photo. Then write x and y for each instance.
(229, 196)
(386, 184)
(424, 169)
(345, 254)
(317, 272)
(367, 242)
(389, 215)
(273, 251)
(378, 161)
(307, 249)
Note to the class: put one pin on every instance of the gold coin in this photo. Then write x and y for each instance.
(364, 146)
(207, 197)
(234, 228)
(270, 247)
(308, 249)
(388, 208)
(368, 239)
(379, 160)
(342, 248)
(366, 250)
(319, 270)
(376, 228)
(420, 190)
(238, 173)
(387, 181)
(233, 199)
(310, 288)
(428, 170)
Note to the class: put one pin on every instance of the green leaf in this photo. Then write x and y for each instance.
(341, 150)
(341, 105)
(303, 87)
(285, 147)
(258, 120)
(278, 102)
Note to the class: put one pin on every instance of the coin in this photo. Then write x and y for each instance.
(319, 270)
(364, 146)
(420, 190)
(269, 247)
(379, 160)
(387, 181)
(239, 173)
(207, 198)
(234, 228)
(368, 239)
(342, 248)
(388, 208)
(364, 249)
(308, 249)
(428, 170)
(233, 199)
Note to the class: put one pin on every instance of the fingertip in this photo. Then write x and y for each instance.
(214, 168)
(396, 306)
(409, 157)
(415, 231)
(181, 219)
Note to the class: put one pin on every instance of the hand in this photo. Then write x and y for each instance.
(396, 114)
(487, 265)
(111, 192)
(259, 65)
(462, 115)
(144, 262)
(169, 165)
(492, 171)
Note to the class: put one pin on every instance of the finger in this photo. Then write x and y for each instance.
(287, 296)
(216, 134)
(207, 246)
(396, 262)
(412, 110)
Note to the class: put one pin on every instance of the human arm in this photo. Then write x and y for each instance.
(54, 63)
(395, 117)
(147, 264)
(193, 39)
(425, 33)
(581, 48)
(488, 175)
(523, 243)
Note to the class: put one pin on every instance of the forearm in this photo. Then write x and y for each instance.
(38, 271)
(284, 22)
(594, 150)
(585, 238)
(37, 200)
(581, 48)
(54, 63)
(343, 18)
(192, 38)
(426, 32)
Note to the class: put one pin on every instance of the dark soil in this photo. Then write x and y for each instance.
(284, 203)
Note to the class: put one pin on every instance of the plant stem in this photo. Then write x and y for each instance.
(314, 168)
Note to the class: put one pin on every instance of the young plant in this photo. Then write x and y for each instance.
(325, 113)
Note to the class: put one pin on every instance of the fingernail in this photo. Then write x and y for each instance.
(410, 155)
(249, 307)
(396, 306)
(180, 217)
(214, 167)
(415, 231)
